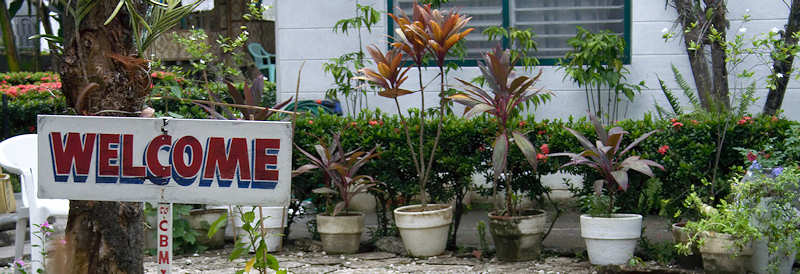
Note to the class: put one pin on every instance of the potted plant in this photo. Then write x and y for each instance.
(602, 229)
(517, 233)
(429, 32)
(768, 194)
(339, 228)
(723, 236)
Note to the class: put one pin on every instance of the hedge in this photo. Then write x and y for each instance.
(685, 146)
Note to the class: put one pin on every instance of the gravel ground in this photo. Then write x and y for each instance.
(301, 260)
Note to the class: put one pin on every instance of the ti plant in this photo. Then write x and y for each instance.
(606, 158)
(247, 101)
(428, 31)
(340, 170)
(509, 93)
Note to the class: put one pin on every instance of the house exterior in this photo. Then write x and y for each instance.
(304, 37)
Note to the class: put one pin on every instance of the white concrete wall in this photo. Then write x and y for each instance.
(304, 34)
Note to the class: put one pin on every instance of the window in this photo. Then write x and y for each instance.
(553, 21)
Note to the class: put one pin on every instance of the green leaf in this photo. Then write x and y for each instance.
(499, 155)
(14, 7)
(114, 14)
(216, 225)
(526, 147)
(477, 109)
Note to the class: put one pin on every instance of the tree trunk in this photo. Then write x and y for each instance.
(101, 75)
(718, 55)
(697, 58)
(784, 67)
(8, 37)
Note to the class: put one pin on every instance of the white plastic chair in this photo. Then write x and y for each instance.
(18, 155)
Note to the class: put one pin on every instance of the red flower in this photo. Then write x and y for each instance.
(541, 132)
(522, 123)
(353, 124)
(663, 149)
(677, 124)
(373, 122)
(310, 122)
(774, 118)
(695, 122)
(32, 128)
(673, 120)
(481, 148)
(540, 156)
(751, 156)
(545, 149)
(380, 122)
(741, 122)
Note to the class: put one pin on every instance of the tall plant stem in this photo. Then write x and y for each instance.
(438, 130)
(720, 143)
(507, 181)
(588, 99)
(408, 136)
(423, 173)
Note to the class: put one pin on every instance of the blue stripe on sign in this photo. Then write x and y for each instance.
(272, 167)
(272, 151)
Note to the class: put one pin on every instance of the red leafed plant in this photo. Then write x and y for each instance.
(508, 94)
(606, 157)
(340, 171)
(430, 30)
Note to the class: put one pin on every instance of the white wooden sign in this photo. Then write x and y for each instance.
(164, 160)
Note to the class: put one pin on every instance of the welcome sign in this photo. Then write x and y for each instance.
(164, 160)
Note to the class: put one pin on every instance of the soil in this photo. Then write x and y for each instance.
(428, 207)
(301, 257)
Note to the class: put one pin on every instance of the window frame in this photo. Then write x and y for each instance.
(626, 59)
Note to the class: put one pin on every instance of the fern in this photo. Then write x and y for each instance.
(747, 98)
(673, 101)
(687, 90)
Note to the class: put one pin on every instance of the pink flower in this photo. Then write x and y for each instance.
(751, 156)
(677, 124)
(741, 122)
(540, 156)
(522, 123)
(310, 122)
(19, 262)
(545, 149)
(663, 149)
(373, 122)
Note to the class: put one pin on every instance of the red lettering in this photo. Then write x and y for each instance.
(163, 225)
(151, 156)
(187, 145)
(73, 155)
(163, 257)
(226, 163)
(107, 153)
(265, 153)
(128, 169)
(163, 240)
(163, 271)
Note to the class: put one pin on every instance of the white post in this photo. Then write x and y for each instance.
(164, 225)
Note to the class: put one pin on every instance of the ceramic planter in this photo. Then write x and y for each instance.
(424, 233)
(201, 219)
(761, 257)
(718, 250)
(518, 238)
(680, 236)
(611, 240)
(341, 234)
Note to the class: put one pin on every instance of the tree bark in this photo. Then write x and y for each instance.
(8, 37)
(784, 67)
(697, 58)
(718, 54)
(101, 75)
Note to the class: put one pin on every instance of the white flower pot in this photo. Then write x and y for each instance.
(717, 250)
(424, 233)
(611, 241)
(341, 234)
